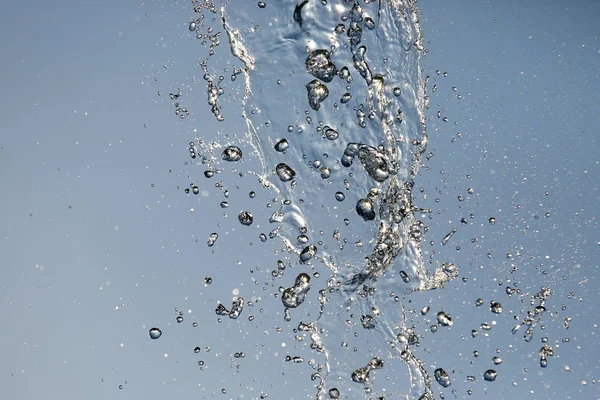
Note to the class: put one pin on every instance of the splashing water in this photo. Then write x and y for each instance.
(334, 105)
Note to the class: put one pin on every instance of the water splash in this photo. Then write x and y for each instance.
(326, 83)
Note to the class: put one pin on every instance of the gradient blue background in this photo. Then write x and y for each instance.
(100, 244)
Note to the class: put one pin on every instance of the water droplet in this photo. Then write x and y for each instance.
(294, 296)
(334, 393)
(367, 321)
(236, 308)
(492, 220)
(404, 276)
(360, 375)
(339, 196)
(192, 26)
(155, 333)
(197, 349)
(245, 218)
(331, 134)
(282, 145)
(284, 172)
(490, 375)
(179, 319)
(319, 65)
(212, 239)
(444, 319)
(262, 4)
(317, 92)
(442, 377)
(308, 253)
(325, 172)
(497, 360)
(496, 308)
(364, 208)
(374, 162)
(232, 154)
(397, 91)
